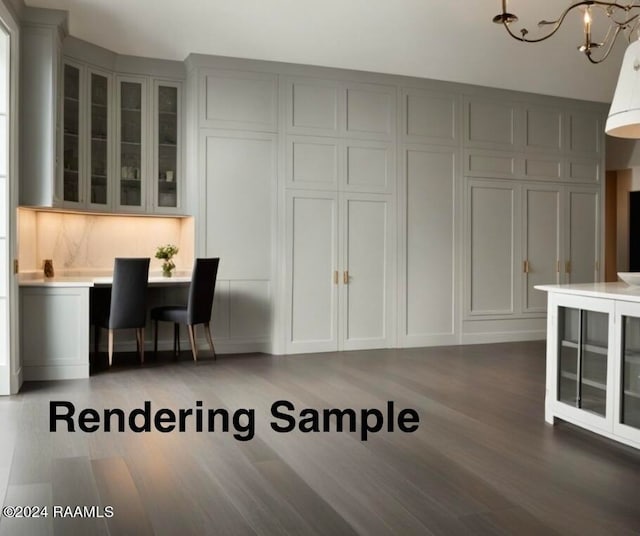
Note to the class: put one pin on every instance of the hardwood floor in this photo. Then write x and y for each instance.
(483, 461)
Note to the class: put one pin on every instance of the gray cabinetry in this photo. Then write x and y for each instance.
(54, 327)
(493, 124)
(341, 181)
(40, 81)
(521, 234)
(238, 100)
(85, 173)
(542, 242)
(492, 225)
(122, 134)
(428, 293)
(343, 109)
(100, 149)
(582, 228)
(133, 143)
(167, 157)
(430, 117)
(73, 134)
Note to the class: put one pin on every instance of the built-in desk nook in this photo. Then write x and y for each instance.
(55, 321)
(55, 335)
(593, 358)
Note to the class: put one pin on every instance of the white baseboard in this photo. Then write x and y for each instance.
(56, 372)
(505, 336)
(417, 341)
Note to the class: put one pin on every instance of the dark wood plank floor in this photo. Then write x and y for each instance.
(482, 462)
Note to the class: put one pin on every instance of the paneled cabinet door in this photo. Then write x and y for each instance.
(167, 142)
(491, 227)
(338, 279)
(582, 235)
(541, 242)
(312, 271)
(365, 294)
(131, 166)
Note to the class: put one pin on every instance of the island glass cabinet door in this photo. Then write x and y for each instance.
(627, 375)
(583, 344)
(580, 360)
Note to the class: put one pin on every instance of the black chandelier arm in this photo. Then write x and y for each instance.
(612, 41)
(505, 19)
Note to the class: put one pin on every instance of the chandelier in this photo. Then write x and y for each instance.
(624, 18)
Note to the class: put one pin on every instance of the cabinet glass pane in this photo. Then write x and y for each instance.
(594, 361)
(630, 413)
(99, 135)
(71, 151)
(167, 146)
(130, 144)
(583, 341)
(568, 336)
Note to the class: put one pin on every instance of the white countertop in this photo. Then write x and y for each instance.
(615, 291)
(88, 280)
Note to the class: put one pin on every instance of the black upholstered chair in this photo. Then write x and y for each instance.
(128, 308)
(198, 308)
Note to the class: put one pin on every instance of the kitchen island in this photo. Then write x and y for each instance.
(55, 319)
(593, 358)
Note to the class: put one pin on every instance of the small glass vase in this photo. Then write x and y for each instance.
(167, 268)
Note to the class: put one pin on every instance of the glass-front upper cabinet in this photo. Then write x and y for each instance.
(132, 119)
(71, 155)
(167, 143)
(99, 146)
(583, 339)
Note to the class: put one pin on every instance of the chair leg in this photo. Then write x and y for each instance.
(207, 333)
(140, 337)
(192, 339)
(155, 339)
(176, 339)
(110, 347)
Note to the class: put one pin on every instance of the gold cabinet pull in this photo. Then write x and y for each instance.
(525, 267)
(345, 277)
(558, 266)
(335, 277)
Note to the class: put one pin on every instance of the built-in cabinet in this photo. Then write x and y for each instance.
(592, 360)
(54, 327)
(73, 132)
(438, 206)
(100, 151)
(121, 147)
(532, 207)
(521, 234)
(41, 86)
(339, 270)
(340, 214)
(132, 143)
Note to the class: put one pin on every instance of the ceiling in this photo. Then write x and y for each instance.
(439, 39)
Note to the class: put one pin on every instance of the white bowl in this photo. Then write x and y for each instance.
(630, 278)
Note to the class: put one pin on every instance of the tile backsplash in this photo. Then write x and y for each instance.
(90, 242)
